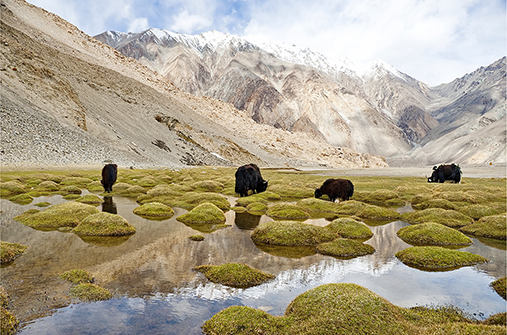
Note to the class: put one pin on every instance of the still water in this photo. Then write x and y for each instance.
(157, 292)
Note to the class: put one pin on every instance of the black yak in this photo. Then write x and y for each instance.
(248, 177)
(445, 172)
(336, 188)
(109, 173)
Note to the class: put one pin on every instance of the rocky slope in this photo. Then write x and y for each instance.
(70, 99)
(374, 109)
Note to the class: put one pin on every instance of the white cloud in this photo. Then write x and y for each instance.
(434, 41)
(414, 36)
(138, 25)
(187, 23)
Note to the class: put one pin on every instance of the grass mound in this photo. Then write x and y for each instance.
(494, 226)
(377, 213)
(68, 214)
(208, 186)
(77, 276)
(90, 292)
(345, 309)
(342, 247)
(287, 211)
(154, 210)
(11, 188)
(70, 189)
(91, 199)
(432, 234)
(204, 213)
(48, 186)
(434, 203)
(314, 205)
(192, 199)
(234, 275)
(8, 322)
(478, 211)
(104, 224)
(438, 258)
(22, 199)
(257, 207)
(327, 309)
(349, 228)
(9, 251)
(449, 218)
(291, 233)
(245, 201)
(499, 286)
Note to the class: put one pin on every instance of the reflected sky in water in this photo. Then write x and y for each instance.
(157, 291)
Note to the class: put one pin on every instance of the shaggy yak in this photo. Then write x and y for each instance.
(248, 177)
(109, 173)
(445, 172)
(336, 188)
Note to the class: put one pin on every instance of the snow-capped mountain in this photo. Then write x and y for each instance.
(371, 107)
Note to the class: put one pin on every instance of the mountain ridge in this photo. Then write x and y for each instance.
(300, 90)
(69, 99)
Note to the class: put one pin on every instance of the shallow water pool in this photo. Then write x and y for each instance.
(157, 292)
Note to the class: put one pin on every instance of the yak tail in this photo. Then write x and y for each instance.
(351, 190)
(240, 183)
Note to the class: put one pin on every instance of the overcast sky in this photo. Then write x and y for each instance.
(434, 41)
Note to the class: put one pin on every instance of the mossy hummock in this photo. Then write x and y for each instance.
(234, 275)
(77, 276)
(104, 224)
(345, 309)
(68, 214)
(494, 226)
(291, 233)
(346, 248)
(90, 292)
(287, 211)
(499, 286)
(9, 251)
(204, 213)
(449, 218)
(432, 233)
(154, 210)
(350, 228)
(438, 258)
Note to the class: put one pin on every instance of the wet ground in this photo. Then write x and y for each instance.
(157, 292)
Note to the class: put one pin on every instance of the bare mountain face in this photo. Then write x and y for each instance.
(472, 124)
(69, 99)
(376, 109)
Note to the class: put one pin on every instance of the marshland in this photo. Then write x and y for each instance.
(177, 251)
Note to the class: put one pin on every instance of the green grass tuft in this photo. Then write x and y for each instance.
(438, 258)
(154, 210)
(291, 233)
(342, 247)
(9, 251)
(499, 286)
(68, 214)
(350, 228)
(432, 233)
(104, 224)
(90, 292)
(494, 226)
(287, 211)
(234, 275)
(77, 276)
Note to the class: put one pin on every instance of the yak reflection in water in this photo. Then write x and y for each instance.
(109, 205)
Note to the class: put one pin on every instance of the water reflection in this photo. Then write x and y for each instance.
(247, 221)
(156, 263)
(109, 205)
